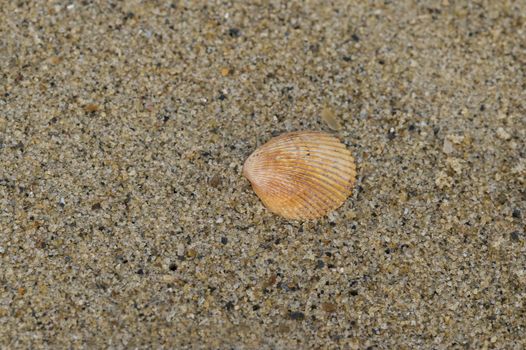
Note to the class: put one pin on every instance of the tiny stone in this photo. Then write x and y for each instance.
(391, 134)
(229, 305)
(55, 60)
(330, 118)
(516, 213)
(96, 206)
(503, 134)
(447, 148)
(515, 235)
(90, 108)
(224, 240)
(215, 181)
(493, 339)
(296, 315)
(234, 32)
(329, 307)
(180, 249)
(355, 38)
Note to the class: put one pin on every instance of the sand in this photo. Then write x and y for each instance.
(125, 221)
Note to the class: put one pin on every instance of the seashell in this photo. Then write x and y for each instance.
(302, 174)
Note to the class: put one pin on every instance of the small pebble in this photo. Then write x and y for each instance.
(391, 134)
(215, 181)
(180, 249)
(330, 118)
(329, 307)
(503, 134)
(297, 316)
(447, 148)
(234, 32)
(90, 108)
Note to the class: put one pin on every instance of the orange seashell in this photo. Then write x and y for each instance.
(302, 174)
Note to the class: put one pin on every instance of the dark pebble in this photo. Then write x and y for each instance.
(215, 181)
(96, 206)
(355, 38)
(224, 240)
(315, 48)
(234, 32)
(391, 135)
(172, 267)
(515, 235)
(296, 315)
(516, 213)
(320, 264)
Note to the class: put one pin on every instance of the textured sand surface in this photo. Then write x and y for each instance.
(125, 221)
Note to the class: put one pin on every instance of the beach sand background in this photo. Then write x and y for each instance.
(125, 220)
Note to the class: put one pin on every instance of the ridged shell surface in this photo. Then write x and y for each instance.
(302, 174)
